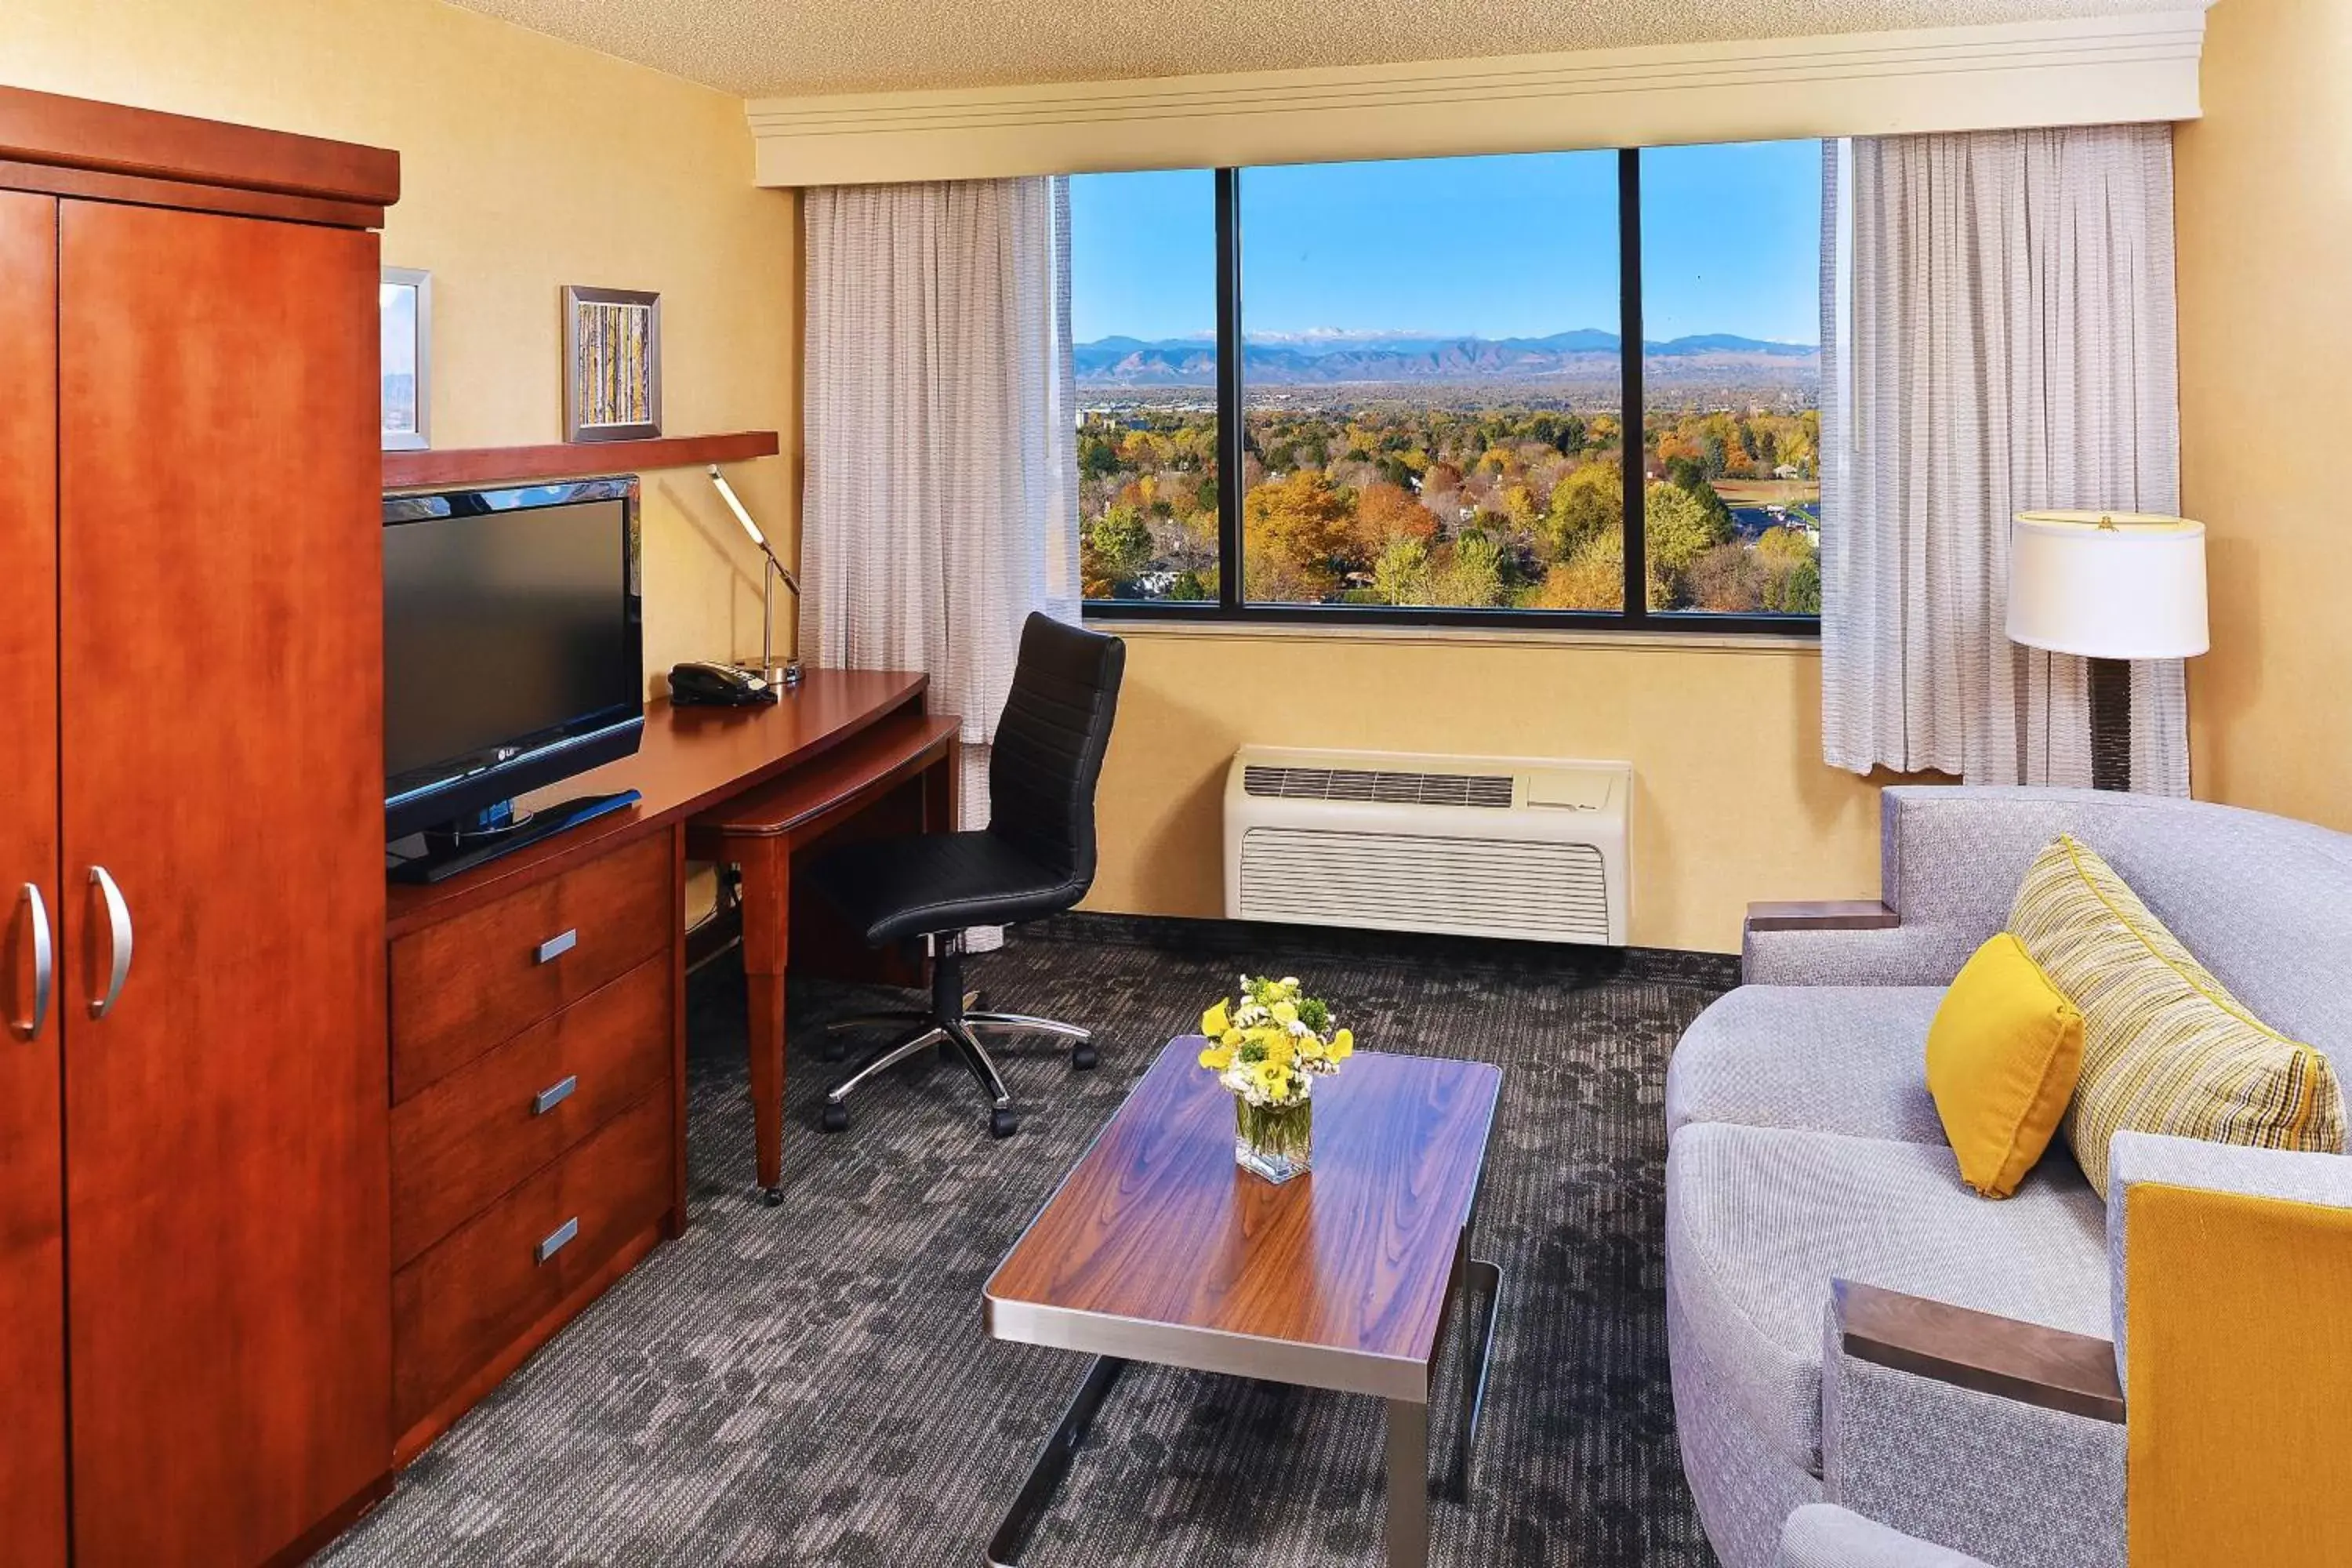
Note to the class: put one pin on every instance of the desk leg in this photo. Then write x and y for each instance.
(767, 864)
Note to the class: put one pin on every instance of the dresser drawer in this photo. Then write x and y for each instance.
(462, 1303)
(469, 1137)
(465, 985)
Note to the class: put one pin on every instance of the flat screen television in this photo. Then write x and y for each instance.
(513, 648)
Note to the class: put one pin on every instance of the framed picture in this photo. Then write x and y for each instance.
(611, 365)
(405, 313)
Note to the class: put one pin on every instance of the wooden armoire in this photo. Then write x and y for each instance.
(194, 1211)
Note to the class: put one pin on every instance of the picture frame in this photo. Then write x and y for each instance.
(404, 318)
(611, 365)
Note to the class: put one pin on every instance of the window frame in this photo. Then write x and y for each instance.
(1229, 606)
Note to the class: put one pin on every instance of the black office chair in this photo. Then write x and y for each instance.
(1035, 857)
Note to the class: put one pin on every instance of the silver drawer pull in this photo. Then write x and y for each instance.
(553, 1095)
(558, 1239)
(44, 964)
(555, 947)
(117, 924)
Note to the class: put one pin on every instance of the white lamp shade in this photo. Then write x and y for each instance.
(2107, 584)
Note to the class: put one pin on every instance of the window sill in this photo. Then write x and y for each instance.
(1784, 643)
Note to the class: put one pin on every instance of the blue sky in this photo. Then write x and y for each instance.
(1506, 247)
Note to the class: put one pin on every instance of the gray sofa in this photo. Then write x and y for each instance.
(1804, 1148)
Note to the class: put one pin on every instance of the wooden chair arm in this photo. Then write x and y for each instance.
(1832, 914)
(2045, 1367)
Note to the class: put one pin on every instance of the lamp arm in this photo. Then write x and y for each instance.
(782, 570)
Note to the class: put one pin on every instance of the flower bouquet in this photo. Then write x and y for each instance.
(1268, 1048)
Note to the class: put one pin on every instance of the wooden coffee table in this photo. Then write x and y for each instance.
(1157, 1248)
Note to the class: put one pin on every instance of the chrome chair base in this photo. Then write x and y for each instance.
(959, 1029)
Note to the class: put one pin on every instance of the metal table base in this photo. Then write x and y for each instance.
(1408, 1443)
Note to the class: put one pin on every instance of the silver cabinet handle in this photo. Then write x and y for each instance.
(554, 1094)
(45, 966)
(556, 946)
(559, 1238)
(118, 920)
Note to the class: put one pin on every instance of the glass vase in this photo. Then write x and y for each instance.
(1275, 1142)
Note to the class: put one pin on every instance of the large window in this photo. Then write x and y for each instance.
(1397, 391)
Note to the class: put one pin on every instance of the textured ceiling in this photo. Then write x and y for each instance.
(762, 47)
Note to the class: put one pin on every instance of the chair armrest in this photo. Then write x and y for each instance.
(1820, 1535)
(2044, 1367)
(2137, 1158)
(1970, 1430)
(1828, 915)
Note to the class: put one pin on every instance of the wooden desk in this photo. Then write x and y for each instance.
(538, 1023)
(760, 833)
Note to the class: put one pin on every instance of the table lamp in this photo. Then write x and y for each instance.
(788, 674)
(2109, 588)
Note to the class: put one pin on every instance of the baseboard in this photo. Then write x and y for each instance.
(1571, 963)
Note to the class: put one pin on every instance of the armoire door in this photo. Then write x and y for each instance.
(32, 1244)
(221, 626)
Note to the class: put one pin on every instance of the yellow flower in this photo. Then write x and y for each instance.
(1343, 1046)
(1217, 1058)
(1273, 1079)
(1214, 1023)
(1285, 1012)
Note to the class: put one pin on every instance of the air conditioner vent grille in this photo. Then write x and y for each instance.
(1492, 791)
(1527, 887)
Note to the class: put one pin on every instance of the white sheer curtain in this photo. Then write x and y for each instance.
(940, 502)
(1998, 335)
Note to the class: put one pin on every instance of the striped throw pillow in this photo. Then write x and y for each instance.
(2166, 1047)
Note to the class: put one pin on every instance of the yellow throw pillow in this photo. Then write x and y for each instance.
(2166, 1047)
(2002, 1055)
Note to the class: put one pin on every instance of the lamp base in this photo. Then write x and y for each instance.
(784, 676)
(2111, 724)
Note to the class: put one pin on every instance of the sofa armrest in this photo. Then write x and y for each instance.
(1964, 1429)
(1821, 1535)
(2044, 1367)
(2134, 1158)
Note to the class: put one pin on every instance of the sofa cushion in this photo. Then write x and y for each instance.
(1760, 1220)
(2166, 1047)
(1826, 1058)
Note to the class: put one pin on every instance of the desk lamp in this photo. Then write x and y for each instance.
(788, 674)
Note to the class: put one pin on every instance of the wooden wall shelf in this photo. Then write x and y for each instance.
(570, 460)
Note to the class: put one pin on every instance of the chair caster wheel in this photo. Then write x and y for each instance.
(834, 1118)
(1083, 1057)
(1003, 1124)
(771, 1198)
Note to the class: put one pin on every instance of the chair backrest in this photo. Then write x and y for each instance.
(1048, 751)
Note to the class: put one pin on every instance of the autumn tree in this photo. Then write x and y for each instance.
(1592, 579)
(1385, 513)
(1677, 530)
(1588, 503)
(1296, 532)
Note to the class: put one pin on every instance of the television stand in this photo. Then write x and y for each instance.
(449, 853)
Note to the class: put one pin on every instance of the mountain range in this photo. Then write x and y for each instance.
(1586, 355)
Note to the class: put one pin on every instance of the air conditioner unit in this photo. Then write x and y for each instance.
(1529, 847)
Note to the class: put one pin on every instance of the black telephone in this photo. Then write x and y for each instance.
(698, 684)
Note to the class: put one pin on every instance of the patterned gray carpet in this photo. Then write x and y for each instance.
(810, 1384)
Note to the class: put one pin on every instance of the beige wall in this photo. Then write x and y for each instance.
(525, 163)
(2265, 247)
(529, 163)
(1731, 800)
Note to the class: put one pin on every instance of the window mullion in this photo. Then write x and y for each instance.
(1629, 355)
(1232, 437)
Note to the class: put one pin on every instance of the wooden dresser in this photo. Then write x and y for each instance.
(538, 1040)
(537, 1115)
